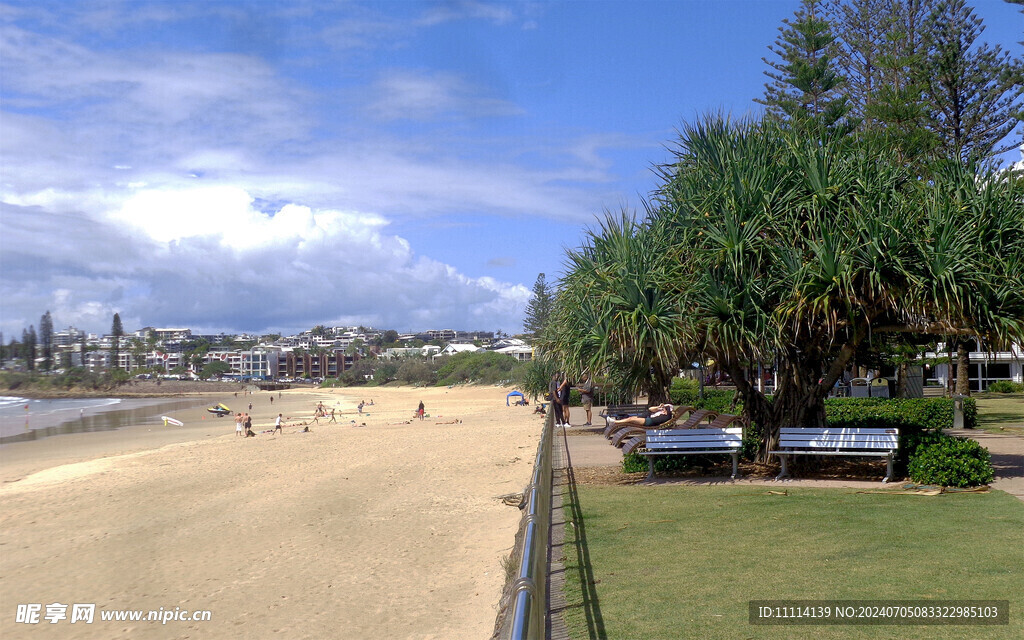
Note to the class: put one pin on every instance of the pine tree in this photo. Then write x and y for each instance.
(28, 341)
(973, 90)
(880, 52)
(116, 330)
(538, 310)
(807, 88)
(46, 340)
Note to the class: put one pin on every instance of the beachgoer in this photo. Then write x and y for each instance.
(248, 423)
(250, 406)
(332, 416)
(360, 407)
(238, 424)
(586, 389)
(563, 398)
(420, 410)
(277, 424)
(553, 397)
(659, 414)
(271, 399)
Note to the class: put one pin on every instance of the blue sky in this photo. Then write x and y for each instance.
(267, 166)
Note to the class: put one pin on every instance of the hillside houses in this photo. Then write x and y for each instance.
(319, 353)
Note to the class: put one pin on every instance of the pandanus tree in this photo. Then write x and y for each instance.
(794, 250)
(613, 315)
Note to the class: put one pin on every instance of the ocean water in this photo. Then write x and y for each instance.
(31, 419)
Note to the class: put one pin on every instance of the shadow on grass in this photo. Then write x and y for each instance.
(591, 606)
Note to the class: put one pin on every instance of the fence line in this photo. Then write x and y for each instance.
(530, 589)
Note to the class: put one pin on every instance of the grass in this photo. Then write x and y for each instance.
(684, 562)
(1001, 412)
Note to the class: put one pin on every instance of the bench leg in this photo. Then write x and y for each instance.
(650, 468)
(784, 472)
(888, 469)
(735, 464)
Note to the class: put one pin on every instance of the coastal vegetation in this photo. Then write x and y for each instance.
(845, 216)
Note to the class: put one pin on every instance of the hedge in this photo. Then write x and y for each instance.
(917, 414)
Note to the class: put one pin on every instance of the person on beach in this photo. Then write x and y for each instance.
(248, 424)
(360, 407)
(271, 399)
(586, 389)
(563, 397)
(659, 414)
(553, 397)
(277, 424)
(238, 424)
(332, 416)
(420, 410)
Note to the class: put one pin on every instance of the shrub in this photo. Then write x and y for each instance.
(951, 462)
(1005, 386)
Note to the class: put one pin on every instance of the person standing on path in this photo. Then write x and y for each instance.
(586, 390)
(563, 398)
(556, 406)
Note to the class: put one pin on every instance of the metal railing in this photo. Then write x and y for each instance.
(530, 589)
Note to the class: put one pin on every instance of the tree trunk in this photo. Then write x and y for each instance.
(963, 366)
(901, 380)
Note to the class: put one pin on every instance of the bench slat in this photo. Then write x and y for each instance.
(887, 443)
(683, 444)
(694, 432)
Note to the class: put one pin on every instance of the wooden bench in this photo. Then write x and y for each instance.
(881, 443)
(679, 442)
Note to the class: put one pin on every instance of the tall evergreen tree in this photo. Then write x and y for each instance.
(116, 331)
(880, 53)
(28, 341)
(973, 90)
(807, 88)
(46, 340)
(538, 310)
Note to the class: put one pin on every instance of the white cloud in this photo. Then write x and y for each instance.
(204, 257)
(409, 95)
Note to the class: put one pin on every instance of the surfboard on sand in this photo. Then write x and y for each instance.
(169, 420)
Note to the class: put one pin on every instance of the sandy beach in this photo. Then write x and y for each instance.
(388, 530)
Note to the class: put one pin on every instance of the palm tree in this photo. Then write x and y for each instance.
(796, 250)
(614, 315)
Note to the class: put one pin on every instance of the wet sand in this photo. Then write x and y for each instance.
(385, 530)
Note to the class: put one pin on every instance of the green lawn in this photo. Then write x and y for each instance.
(684, 562)
(1001, 412)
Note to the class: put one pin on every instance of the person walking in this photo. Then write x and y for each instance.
(277, 424)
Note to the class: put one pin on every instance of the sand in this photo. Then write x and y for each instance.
(384, 530)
